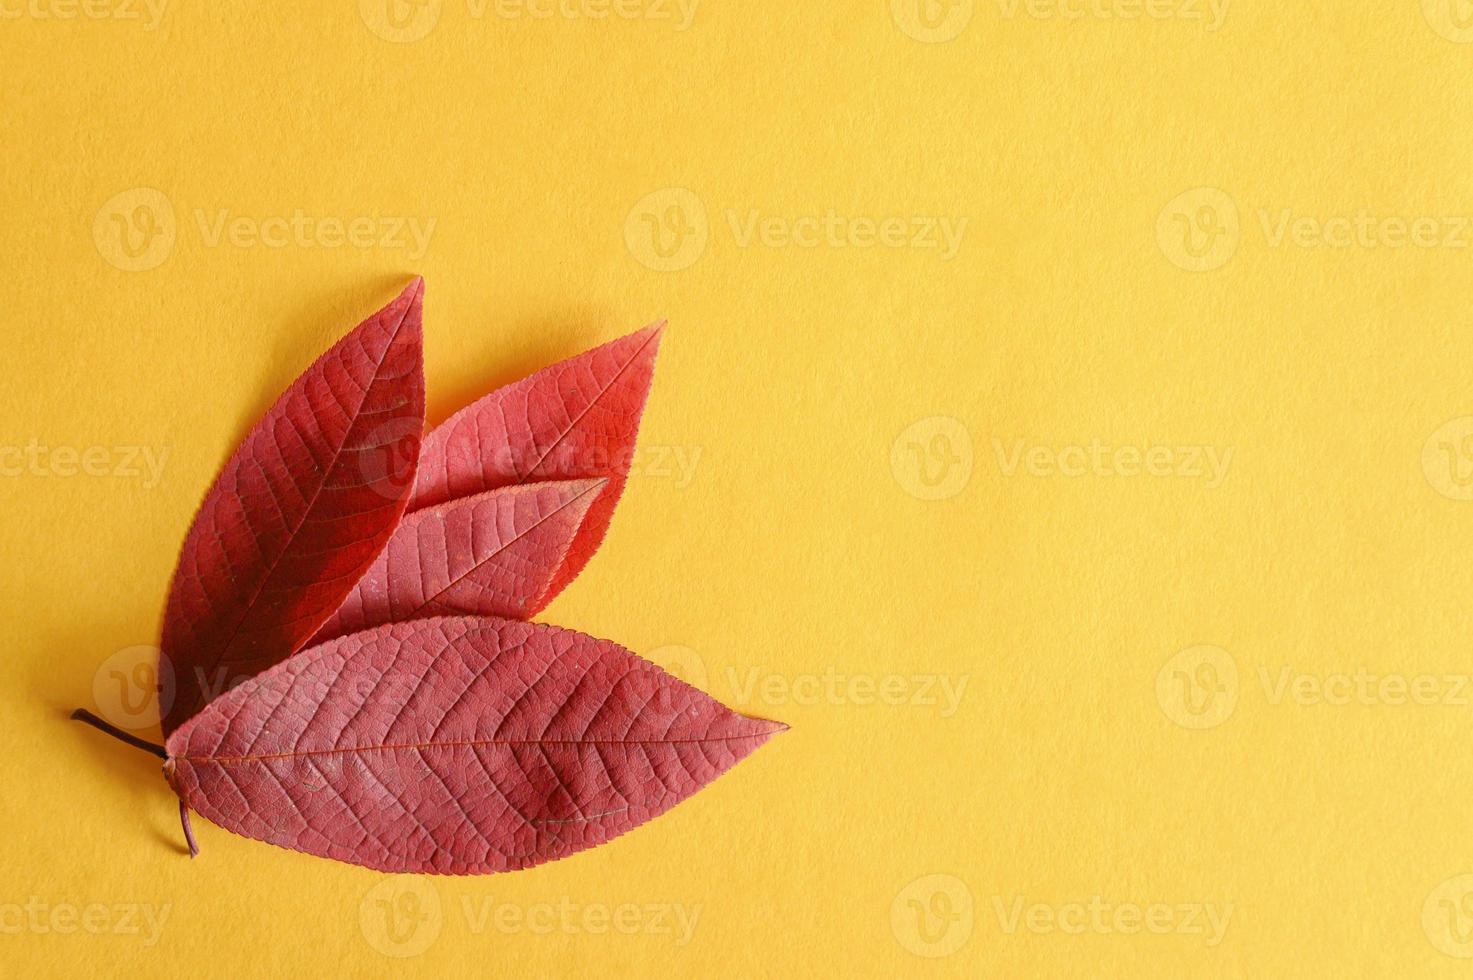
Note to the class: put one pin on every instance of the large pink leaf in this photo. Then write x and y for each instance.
(573, 420)
(454, 745)
(300, 510)
(493, 554)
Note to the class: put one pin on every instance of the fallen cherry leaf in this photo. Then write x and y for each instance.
(300, 510)
(455, 746)
(492, 554)
(575, 419)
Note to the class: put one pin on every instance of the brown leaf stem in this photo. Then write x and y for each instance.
(188, 830)
(83, 715)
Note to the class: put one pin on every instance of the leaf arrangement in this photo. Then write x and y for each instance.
(354, 677)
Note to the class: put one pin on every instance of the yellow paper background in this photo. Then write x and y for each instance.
(825, 547)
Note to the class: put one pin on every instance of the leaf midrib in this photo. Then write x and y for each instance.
(250, 605)
(417, 746)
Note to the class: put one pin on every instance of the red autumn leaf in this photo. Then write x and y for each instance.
(573, 420)
(300, 510)
(454, 745)
(492, 554)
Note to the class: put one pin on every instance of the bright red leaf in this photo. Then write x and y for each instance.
(492, 554)
(300, 510)
(454, 745)
(573, 420)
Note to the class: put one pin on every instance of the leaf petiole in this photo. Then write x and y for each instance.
(83, 715)
(188, 830)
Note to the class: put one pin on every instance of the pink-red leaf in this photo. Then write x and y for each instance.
(454, 745)
(492, 554)
(300, 510)
(574, 420)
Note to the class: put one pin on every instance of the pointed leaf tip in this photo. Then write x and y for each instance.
(576, 419)
(490, 554)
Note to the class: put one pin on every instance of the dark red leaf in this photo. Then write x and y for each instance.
(573, 420)
(454, 745)
(300, 510)
(492, 554)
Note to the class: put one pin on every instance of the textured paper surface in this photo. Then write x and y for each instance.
(781, 545)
